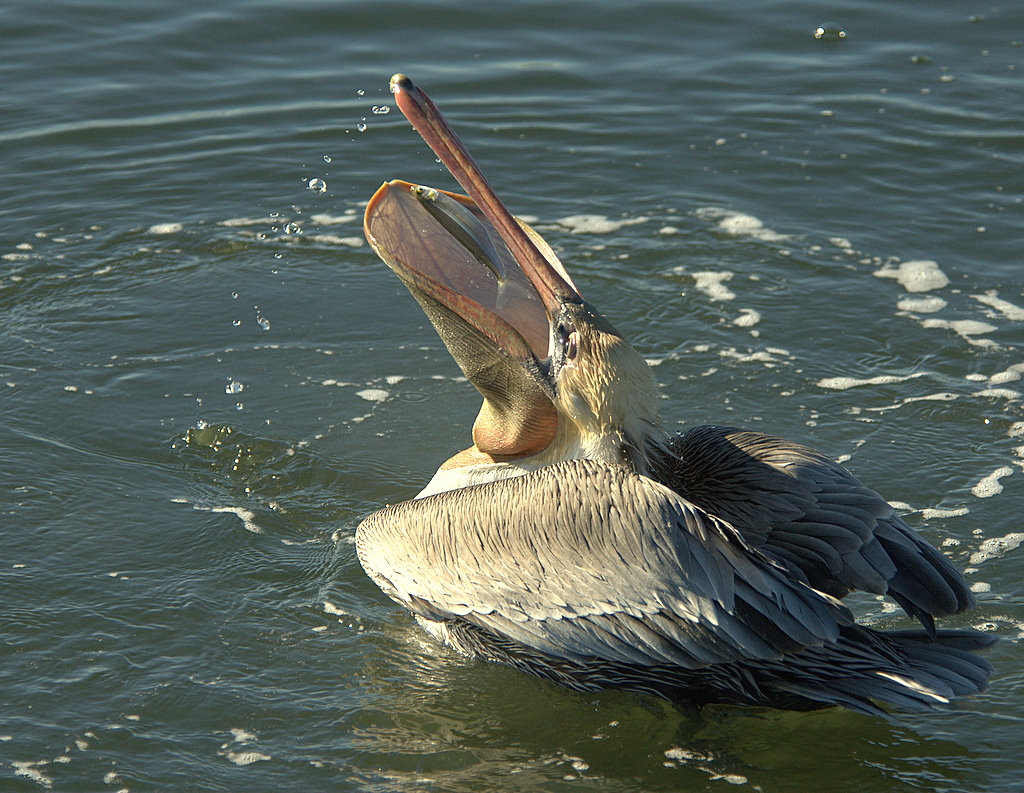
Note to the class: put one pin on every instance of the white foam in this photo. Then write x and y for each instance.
(165, 228)
(748, 318)
(843, 383)
(966, 329)
(929, 514)
(246, 758)
(680, 755)
(1008, 375)
(712, 284)
(989, 486)
(334, 239)
(596, 224)
(323, 219)
(919, 275)
(738, 224)
(1005, 307)
(757, 356)
(31, 771)
(237, 222)
(373, 394)
(1000, 393)
(996, 547)
(242, 736)
(921, 305)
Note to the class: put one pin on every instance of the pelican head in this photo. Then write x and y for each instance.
(558, 380)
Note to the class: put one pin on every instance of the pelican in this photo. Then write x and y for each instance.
(577, 540)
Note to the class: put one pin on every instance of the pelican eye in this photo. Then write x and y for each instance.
(568, 341)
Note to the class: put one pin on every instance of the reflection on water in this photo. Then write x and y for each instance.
(438, 719)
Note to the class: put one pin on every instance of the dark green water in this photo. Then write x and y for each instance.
(207, 378)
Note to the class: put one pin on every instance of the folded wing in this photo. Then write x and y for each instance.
(584, 560)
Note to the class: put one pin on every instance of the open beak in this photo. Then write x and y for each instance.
(489, 284)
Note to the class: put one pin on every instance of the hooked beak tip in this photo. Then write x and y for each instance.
(400, 82)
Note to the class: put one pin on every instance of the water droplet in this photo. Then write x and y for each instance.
(234, 295)
(234, 387)
(830, 31)
(360, 92)
(381, 110)
(236, 322)
(327, 158)
(275, 214)
(318, 185)
(293, 228)
(361, 126)
(239, 406)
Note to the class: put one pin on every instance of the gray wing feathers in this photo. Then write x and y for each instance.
(583, 560)
(804, 510)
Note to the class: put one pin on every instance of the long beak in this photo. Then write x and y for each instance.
(489, 284)
(552, 283)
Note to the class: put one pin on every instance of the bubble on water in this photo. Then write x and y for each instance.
(234, 295)
(327, 158)
(360, 92)
(381, 110)
(293, 228)
(318, 185)
(361, 126)
(236, 322)
(830, 31)
(234, 387)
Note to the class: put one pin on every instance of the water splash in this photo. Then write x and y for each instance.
(830, 31)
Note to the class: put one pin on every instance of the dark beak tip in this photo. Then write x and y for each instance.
(400, 81)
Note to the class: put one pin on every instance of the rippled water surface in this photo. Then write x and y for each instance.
(207, 378)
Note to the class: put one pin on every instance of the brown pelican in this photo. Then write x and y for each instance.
(577, 540)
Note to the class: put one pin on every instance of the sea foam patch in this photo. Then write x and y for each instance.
(995, 547)
(713, 284)
(1009, 310)
(966, 329)
(921, 305)
(843, 383)
(739, 224)
(919, 275)
(596, 224)
(989, 485)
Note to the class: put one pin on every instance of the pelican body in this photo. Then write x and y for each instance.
(579, 541)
